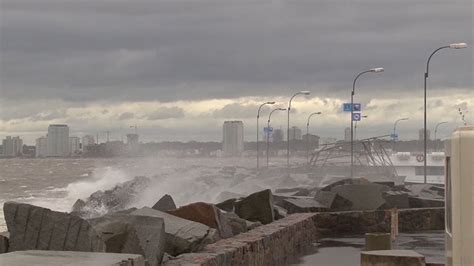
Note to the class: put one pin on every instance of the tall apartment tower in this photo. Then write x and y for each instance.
(87, 140)
(41, 147)
(74, 145)
(233, 138)
(58, 141)
(12, 146)
(295, 133)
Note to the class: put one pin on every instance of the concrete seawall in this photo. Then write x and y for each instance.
(278, 242)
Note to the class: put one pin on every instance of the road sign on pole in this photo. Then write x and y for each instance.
(356, 117)
(346, 107)
(357, 107)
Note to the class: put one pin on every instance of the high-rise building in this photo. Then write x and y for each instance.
(312, 140)
(421, 134)
(12, 146)
(74, 145)
(233, 138)
(41, 147)
(295, 133)
(87, 140)
(58, 140)
(278, 135)
(347, 134)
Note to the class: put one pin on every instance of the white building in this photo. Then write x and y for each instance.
(87, 140)
(58, 141)
(233, 138)
(295, 133)
(41, 147)
(12, 146)
(74, 145)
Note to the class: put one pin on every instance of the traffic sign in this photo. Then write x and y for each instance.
(357, 107)
(394, 136)
(356, 117)
(347, 107)
(268, 129)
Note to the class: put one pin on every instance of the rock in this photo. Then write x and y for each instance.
(396, 199)
(256, 207)
(207, 214)
(131, 234)
(228, 205)
(226, 195)
(252, 225)
(33, 227)
(4, 236)
(362, 197)
(237, 224)
(119, 198)
(427, 191)
(280, 212)
(166, 203)
(182, 236)
(419, 202)
(302, 205)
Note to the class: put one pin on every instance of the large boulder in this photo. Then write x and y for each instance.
(362, 197)
(33, 227)
(4, 236)
(257, 207)
(396, 199)
(225, 195)
(166, 203)
(207, 214)
(104, 202)
(299, 205)
(131, 234)
(237, 224)
(182, 236)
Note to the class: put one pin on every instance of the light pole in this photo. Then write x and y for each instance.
(373, 70)
(435, 132)
(258, 130)
(268, 127)
(452, 46)
(355, 126)
(307, 134)
(288, 128)
(395, 131)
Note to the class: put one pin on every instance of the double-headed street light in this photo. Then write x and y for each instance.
(258, 129)
(268, 129)
(288, 129)
(373, 70)
(307, 134)
(452, 46)
(395, 131)
(435, 133)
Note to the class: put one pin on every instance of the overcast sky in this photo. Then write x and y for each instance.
(178, 69)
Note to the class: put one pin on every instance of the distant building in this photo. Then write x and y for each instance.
(327, 140)
(74, 145)
(12, 146)
(312, 140)
(421, 134)
(347, 134)
(233, 138)
(58, 141)
(87, 140)
(278, 135)
(295, 133)
(41, 147)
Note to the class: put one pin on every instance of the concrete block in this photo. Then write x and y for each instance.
(166, 203)
(4, 242)
(70, 258)
(391, 258)
(378, 241)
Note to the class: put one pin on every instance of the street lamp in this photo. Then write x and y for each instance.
(452, 46)
(372, 70)
(395, 131)
(435, 132)
(307, 134)
(355, 127)
(268, 128)
(258, 129)
(288, 129)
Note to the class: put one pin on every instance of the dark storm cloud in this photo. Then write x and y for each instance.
(173, 50)
(165, 113)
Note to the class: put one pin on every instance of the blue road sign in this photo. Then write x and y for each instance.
(394, 136)
(357, 107)
(346, 107)
(268, 129)
(356, 117)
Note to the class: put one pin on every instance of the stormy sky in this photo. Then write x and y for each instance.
(178, 69)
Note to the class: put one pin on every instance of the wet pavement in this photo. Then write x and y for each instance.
(345, 251)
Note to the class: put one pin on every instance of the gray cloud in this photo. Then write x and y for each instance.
(165, 113)
(167, 50)
(126, 116)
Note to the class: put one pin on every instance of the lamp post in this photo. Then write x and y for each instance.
(288, 128)
(355, 127)
(452, 46)
(268, 127)
(435, 132)
(395, 131)
(258, 130)
(373, 70)
(307, 134)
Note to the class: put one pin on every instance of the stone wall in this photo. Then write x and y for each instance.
(424, 219)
